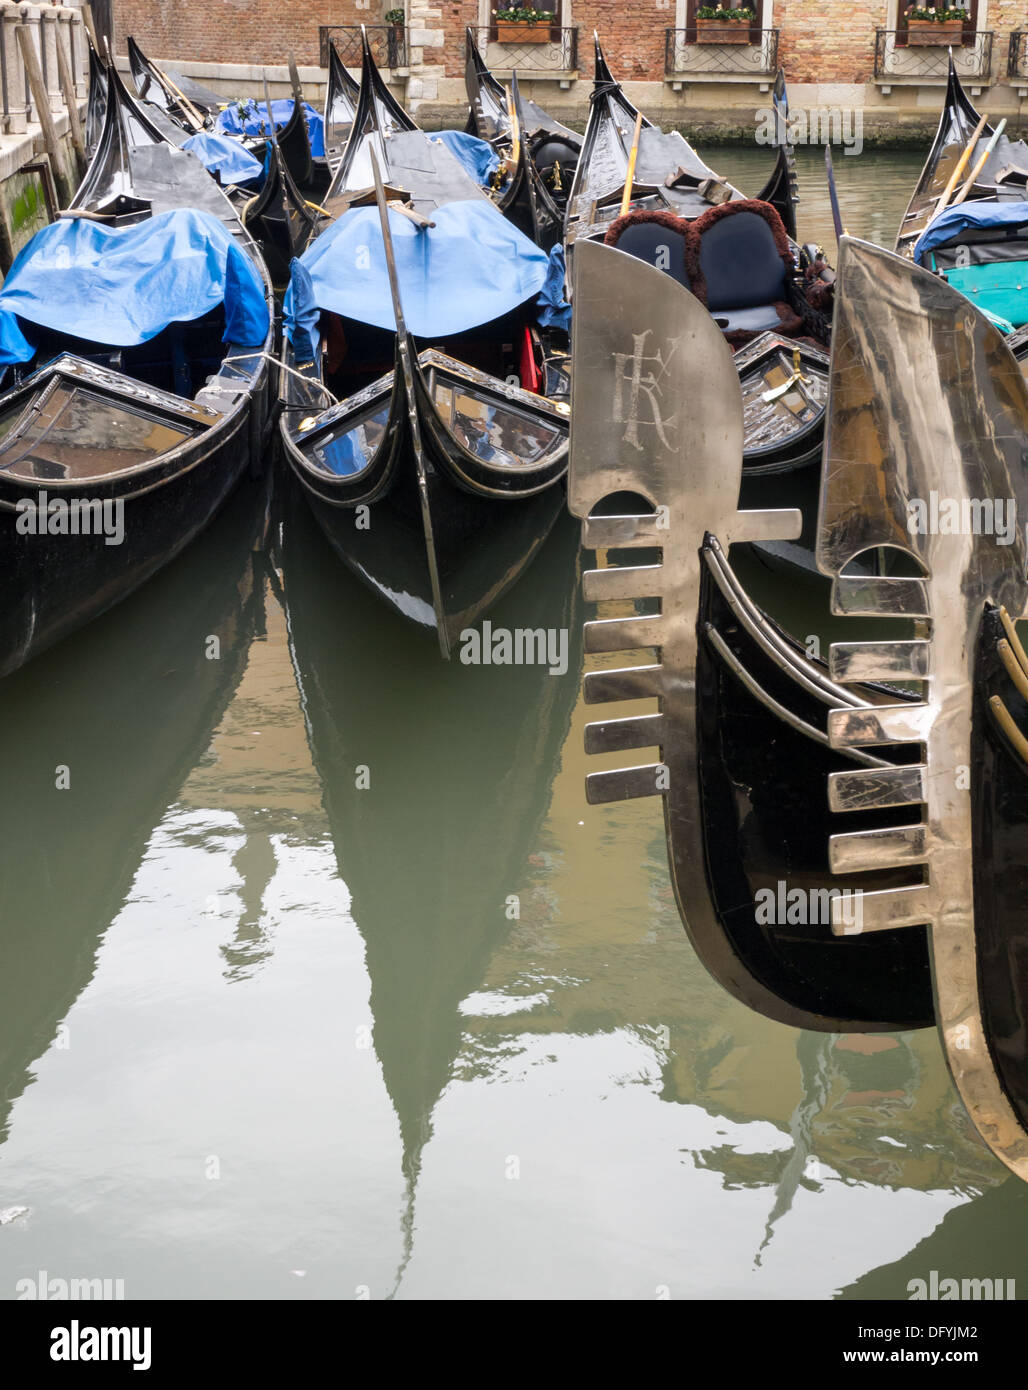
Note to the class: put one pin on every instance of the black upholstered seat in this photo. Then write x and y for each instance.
(657, 243)
(742, 266)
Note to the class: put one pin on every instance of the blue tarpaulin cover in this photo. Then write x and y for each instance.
(477, 156)
(967, 217)
(123, 285)
(255, 115)
(472, 266)
(554, 310)
(227, 158)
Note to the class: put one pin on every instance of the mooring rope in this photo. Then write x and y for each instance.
(277, 362)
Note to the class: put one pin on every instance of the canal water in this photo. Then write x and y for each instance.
(319, 978)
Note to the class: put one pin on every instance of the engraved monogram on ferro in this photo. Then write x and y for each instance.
(639, 391)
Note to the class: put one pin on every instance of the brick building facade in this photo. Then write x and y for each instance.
(858, 54)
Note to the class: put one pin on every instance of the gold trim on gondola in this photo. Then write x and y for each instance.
(1013, 639)
(1008, 725)
(1013, 667)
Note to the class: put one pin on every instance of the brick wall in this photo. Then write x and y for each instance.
(833, 43)
(821, 40)
(236, 31)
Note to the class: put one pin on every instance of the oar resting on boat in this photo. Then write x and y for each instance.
(968, 217)
(474, 376)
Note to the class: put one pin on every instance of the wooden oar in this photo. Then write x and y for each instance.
(954, 178)
(633, 156)
(515, 129)
(187, 106)
(972, 177)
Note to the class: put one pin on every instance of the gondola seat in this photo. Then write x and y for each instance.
(740, 264)
(659, 238)
(735, 258)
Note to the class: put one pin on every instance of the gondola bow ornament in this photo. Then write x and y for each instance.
(926, 452)
(657, 412)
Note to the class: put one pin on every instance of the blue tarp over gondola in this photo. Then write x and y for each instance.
(471, 267)
(476, 156)
(253, 120)
(123, 285)
(227, 158)
(976, 216)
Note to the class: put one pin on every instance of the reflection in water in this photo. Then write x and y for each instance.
(96, 738)
(433, 816)
(457, 984)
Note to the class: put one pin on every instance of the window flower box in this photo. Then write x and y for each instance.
(522, 33)
(521, 24)
(922, 33)
(722, 25)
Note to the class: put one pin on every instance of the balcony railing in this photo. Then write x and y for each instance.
(684, 56)
(1017, 54)
(894, 57)
(559, 54)
(388, 44)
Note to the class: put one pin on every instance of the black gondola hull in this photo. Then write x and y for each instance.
(767, 824)
(56, 583)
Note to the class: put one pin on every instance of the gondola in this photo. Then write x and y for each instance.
(947, 428)
(279, 218)
(189, 104)
(310, 171)
(96, 101)
(129, 706)
(968, 217)
(458, 799)
(909, 840)
(341, 100)
(744, 711)
(781, 189)
(523, 197)
(178, 104)
(770, 297)
(436, 469)
(116, 452)
(551, 149)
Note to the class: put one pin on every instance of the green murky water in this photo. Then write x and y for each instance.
(267, 1030)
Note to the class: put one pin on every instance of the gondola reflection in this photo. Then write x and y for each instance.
(96, 739)
(436, 778)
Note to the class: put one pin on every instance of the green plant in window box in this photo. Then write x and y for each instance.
(522, 24)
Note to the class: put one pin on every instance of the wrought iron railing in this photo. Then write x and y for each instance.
(558, 54)
(683, 54)
(1017, 54)
(388, 44)
(894, 57)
